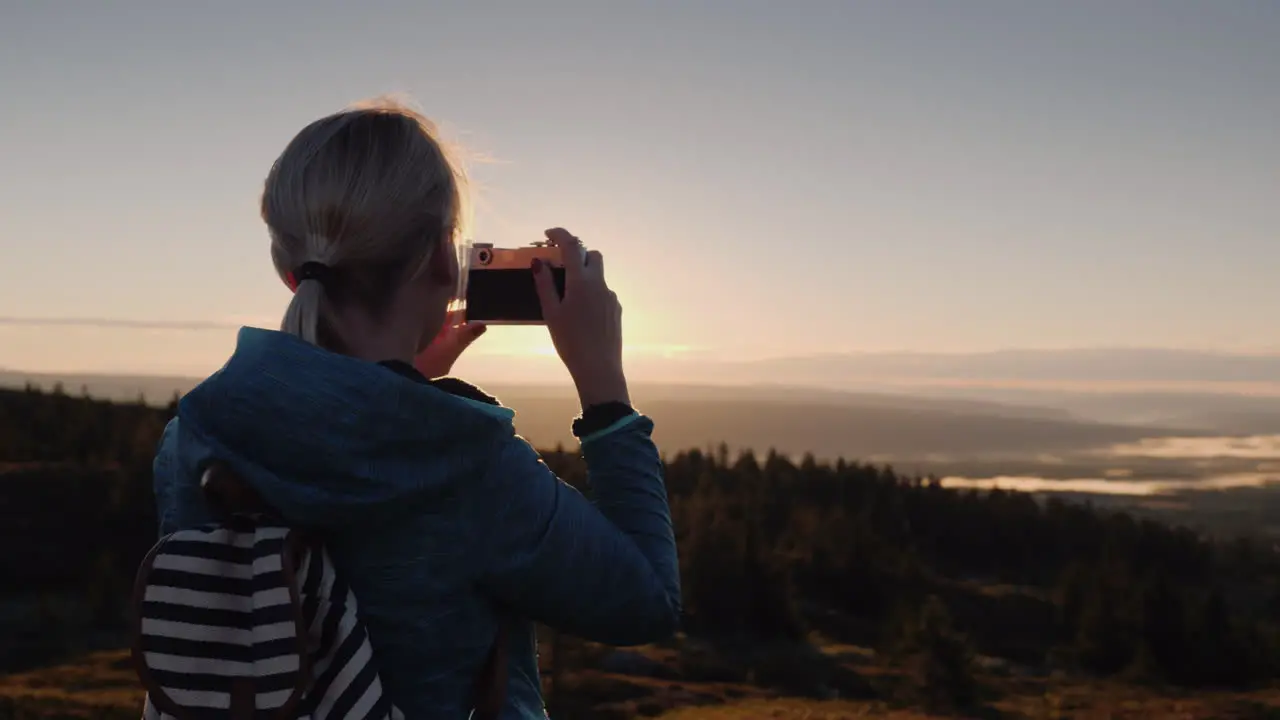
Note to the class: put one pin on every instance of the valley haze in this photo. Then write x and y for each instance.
(1155, 431)
(893, 406)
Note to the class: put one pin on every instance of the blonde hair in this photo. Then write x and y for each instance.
(370, 193)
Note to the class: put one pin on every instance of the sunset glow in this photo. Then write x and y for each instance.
(827, 204)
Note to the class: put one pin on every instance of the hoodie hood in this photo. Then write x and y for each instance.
(330, 440)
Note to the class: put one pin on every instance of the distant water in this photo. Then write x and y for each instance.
(1114, 481)
(1260, 447)
(1103, 486)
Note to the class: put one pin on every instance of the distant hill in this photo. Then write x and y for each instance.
(792, 420)
(1226, 413)
(1191, 391)
(882, 433)
(157, 390)
(1098, 365)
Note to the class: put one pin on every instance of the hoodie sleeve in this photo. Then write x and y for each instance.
(606, 571)
(179, 501)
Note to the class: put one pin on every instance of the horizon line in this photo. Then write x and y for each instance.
(892, 386)
(14, 320)
(198, 325)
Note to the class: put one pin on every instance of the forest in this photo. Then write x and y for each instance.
(782, 560)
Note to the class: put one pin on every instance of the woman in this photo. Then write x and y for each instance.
(443, 521)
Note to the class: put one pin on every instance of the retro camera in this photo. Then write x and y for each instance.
(500, 288)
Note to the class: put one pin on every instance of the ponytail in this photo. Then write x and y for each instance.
(302, 317)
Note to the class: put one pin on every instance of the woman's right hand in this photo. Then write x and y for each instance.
(586, 324)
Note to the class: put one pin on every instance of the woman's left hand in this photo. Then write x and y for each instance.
(437, 359)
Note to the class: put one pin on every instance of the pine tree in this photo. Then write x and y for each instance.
(938, 659)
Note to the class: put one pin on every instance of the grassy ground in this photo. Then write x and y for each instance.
(102, 686)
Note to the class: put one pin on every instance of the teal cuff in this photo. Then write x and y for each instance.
(612, 428)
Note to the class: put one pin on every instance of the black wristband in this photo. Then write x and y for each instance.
(599, 417)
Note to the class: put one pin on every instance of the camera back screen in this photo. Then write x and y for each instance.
(506, 295)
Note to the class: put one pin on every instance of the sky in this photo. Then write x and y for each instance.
(764, 178)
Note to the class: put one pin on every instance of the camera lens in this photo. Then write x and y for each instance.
(484, 256)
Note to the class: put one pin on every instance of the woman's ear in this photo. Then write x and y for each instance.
(442, 266)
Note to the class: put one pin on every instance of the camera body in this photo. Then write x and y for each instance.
(500, 288)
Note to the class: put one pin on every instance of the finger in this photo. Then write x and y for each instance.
(469, 333)
(548, 297)
(595, 263)
(453, 319)
(570, 251)
(559, 236)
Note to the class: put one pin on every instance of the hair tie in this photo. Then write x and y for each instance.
(310, 270)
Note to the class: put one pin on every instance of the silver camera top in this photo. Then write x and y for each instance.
(484, 256)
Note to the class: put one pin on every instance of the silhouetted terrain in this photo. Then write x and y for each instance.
(791, 420)
(1224, 412)
(1074, 365)
(831, 430)
(801, 580)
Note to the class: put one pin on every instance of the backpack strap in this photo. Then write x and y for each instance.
(229, 496)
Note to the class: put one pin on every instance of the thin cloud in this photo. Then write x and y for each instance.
(116, 323)
(486, 158)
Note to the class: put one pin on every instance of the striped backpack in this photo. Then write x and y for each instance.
(246, 618)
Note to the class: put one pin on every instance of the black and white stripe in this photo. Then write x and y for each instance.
(217, 609)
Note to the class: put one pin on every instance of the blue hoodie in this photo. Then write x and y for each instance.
(438, 515)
